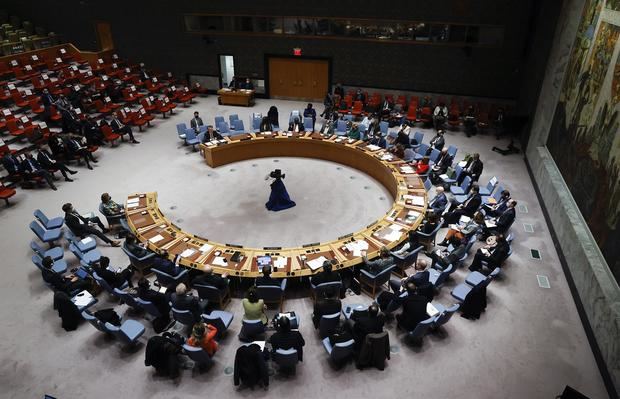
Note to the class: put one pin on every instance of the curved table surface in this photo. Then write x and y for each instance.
(148, 223)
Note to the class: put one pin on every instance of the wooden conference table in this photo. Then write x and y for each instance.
(151, 227)
(236, 97)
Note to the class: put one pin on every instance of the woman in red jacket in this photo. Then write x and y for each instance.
(203, 336)
(422, 166)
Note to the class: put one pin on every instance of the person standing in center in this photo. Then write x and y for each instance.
(279, 198)
(196, 122)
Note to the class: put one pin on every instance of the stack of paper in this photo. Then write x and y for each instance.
(415, 199)
(387, 157)
(188, 252)
(219, 261)
(205, 248)
(280, 262)
(317, 263)
(156, 239)
(407, 169)
(373, 147)
(357, 247)
(86, 240)
(82, 299)
(394, 235)
(133, 202)
(431, 310)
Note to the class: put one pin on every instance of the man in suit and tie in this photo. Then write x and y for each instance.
(370, 322)
(467, 208)
(502, 223)
(266, 278)
(196, 122)
(414, 309)
(326, 275)
(438, 204)
(473, 168)
(493, 254)
(32, 168)
(500, 206)
(47, 161)
(378, 265)
(119, 128)
(210, 135)
(46, 98)
(328, 304)
(182, 300)
(442, 165)
(82, 226)
(212, 279)
(11, 164)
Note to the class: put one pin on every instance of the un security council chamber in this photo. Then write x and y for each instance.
(299, 199)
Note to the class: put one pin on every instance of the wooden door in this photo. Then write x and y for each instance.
(298, 78)
(104, 36)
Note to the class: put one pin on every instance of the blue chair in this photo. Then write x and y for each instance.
(294, 114)
(139, 263)
(374, 281)
(127, 298)
(218, 120)
(47, 222)
(219, 319)
(348, 117)
(452, 151)
(251, 330)
(328, 324)
(460, 291)
(428, 184)
(223, 128)
(435, 154)
(148, 307)
(86, 315)
(383, 128)
(403, 262)
(54, 253)
(420, 331)
(418, 137)
(184, 317)
(104, 284)
(255, 122)
(451, 180)
(181, 128)
(59, 266)
(286, 359)
(488, 189)
(341, 352)
(409, 155)
(476, 278)
(213, 294)
(165, 280)
(272, 293)
(428, 239)
(437, 278)
(445, 315)
(89, 257)
(84, 245)
(200, 357)
(496, 196)
(47, 236)
(232, 118)
(341, 128)
(238, 126)
(463, 188)
(191, 138)
(318, 290)
(420, 152)
(129, 332)
(308, 125)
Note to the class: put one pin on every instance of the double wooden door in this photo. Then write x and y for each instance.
(298, 78)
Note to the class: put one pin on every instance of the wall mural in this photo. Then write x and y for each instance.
(584, 138)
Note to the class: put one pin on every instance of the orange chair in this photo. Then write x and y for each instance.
(453, 117)
(108, 135)
(101, 108)
(426, 115)
(14, 129)
(348, 99)
(6, 193)
(54, 114)
(357, 108)
(412, 113)
(148, 105)
(36, 106)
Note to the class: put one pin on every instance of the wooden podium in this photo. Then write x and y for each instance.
(236, 97)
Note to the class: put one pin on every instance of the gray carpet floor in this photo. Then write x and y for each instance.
(529, 343)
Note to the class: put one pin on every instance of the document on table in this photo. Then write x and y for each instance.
(82, 299)
(387, 157)
(431, 310)
(280, 262)
(393, 236)
(396, 227)
(357, 247)
(205, 248)
(133, 202)
(188, 252)
(407, 169)
(156, 239)
(316, 263)
(220, 261)
(415, 199)
(373, 147)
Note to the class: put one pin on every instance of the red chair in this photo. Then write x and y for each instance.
(163, 108)
(6, 193)
(146, 116)
(426, 115)
(108, 135)
(36, 106)
(453, 118)
(348, 99)
(136, 120)
(54, 114)
(129, 97)
(412, 113)
(153, 86)
(148, 105)
(101, 108)
(402, 100)
(18, 99)
(124, 115)
(357, 108)
(196, 88)
(14, 129)
(170, 104)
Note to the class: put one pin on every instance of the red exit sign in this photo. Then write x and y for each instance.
(297, 51)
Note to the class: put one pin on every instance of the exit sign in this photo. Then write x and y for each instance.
(297, 51)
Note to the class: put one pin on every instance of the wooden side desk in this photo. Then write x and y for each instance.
(236, 97)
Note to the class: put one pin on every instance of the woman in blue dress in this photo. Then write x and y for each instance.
(279, 198)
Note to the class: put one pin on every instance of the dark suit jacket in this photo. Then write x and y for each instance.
(443, 163)
(498, 254)
(420, 277)
(438, 143)
(46, 159)
(323, 307)
(471, 205)
(158, 299)
(115, 280)
(214, 280)
(476, 169)
(194, 125)
(186, 302)
(262, 280)
(11, 164)
(438, 204)
(136, 250)
(30, 165)
(288, 340)
(116, 125)
(73, 221)
(365, 325)
(324, 277)
(414, 311)
(505, 220)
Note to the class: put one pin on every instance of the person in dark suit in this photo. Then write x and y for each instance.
(210, 135)
(403, 136)
(11, 164)
(47, 161)
(473, 168)
(70, 122)
(420, 277)
(134, 248)
(46, 98)
(212, 279)
(370, 322)
(265, 125)
(266, 278)
(67, 284)
(414, 309)
(326, 275)
(119, 128)
(181, 300)
(32, 168)
(442, 165)
(81, 226)
(502, 223)
(438, 204)
(444, 257)
(467, 208)
(158, 299)
(493, 255)
(329, 304)
(114, 279)
(376, 266)
(309, 112)
(284, 338)
(234, 84)
(196, 122)
(499, 207)
(75, 148)
(437, 142)
(57, 146)
(92, 132)
(163, 264)
(338, 90)
(247, 84)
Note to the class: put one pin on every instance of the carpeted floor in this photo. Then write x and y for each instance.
(529, 343)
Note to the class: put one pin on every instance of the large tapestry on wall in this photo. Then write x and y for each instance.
(584, 138)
